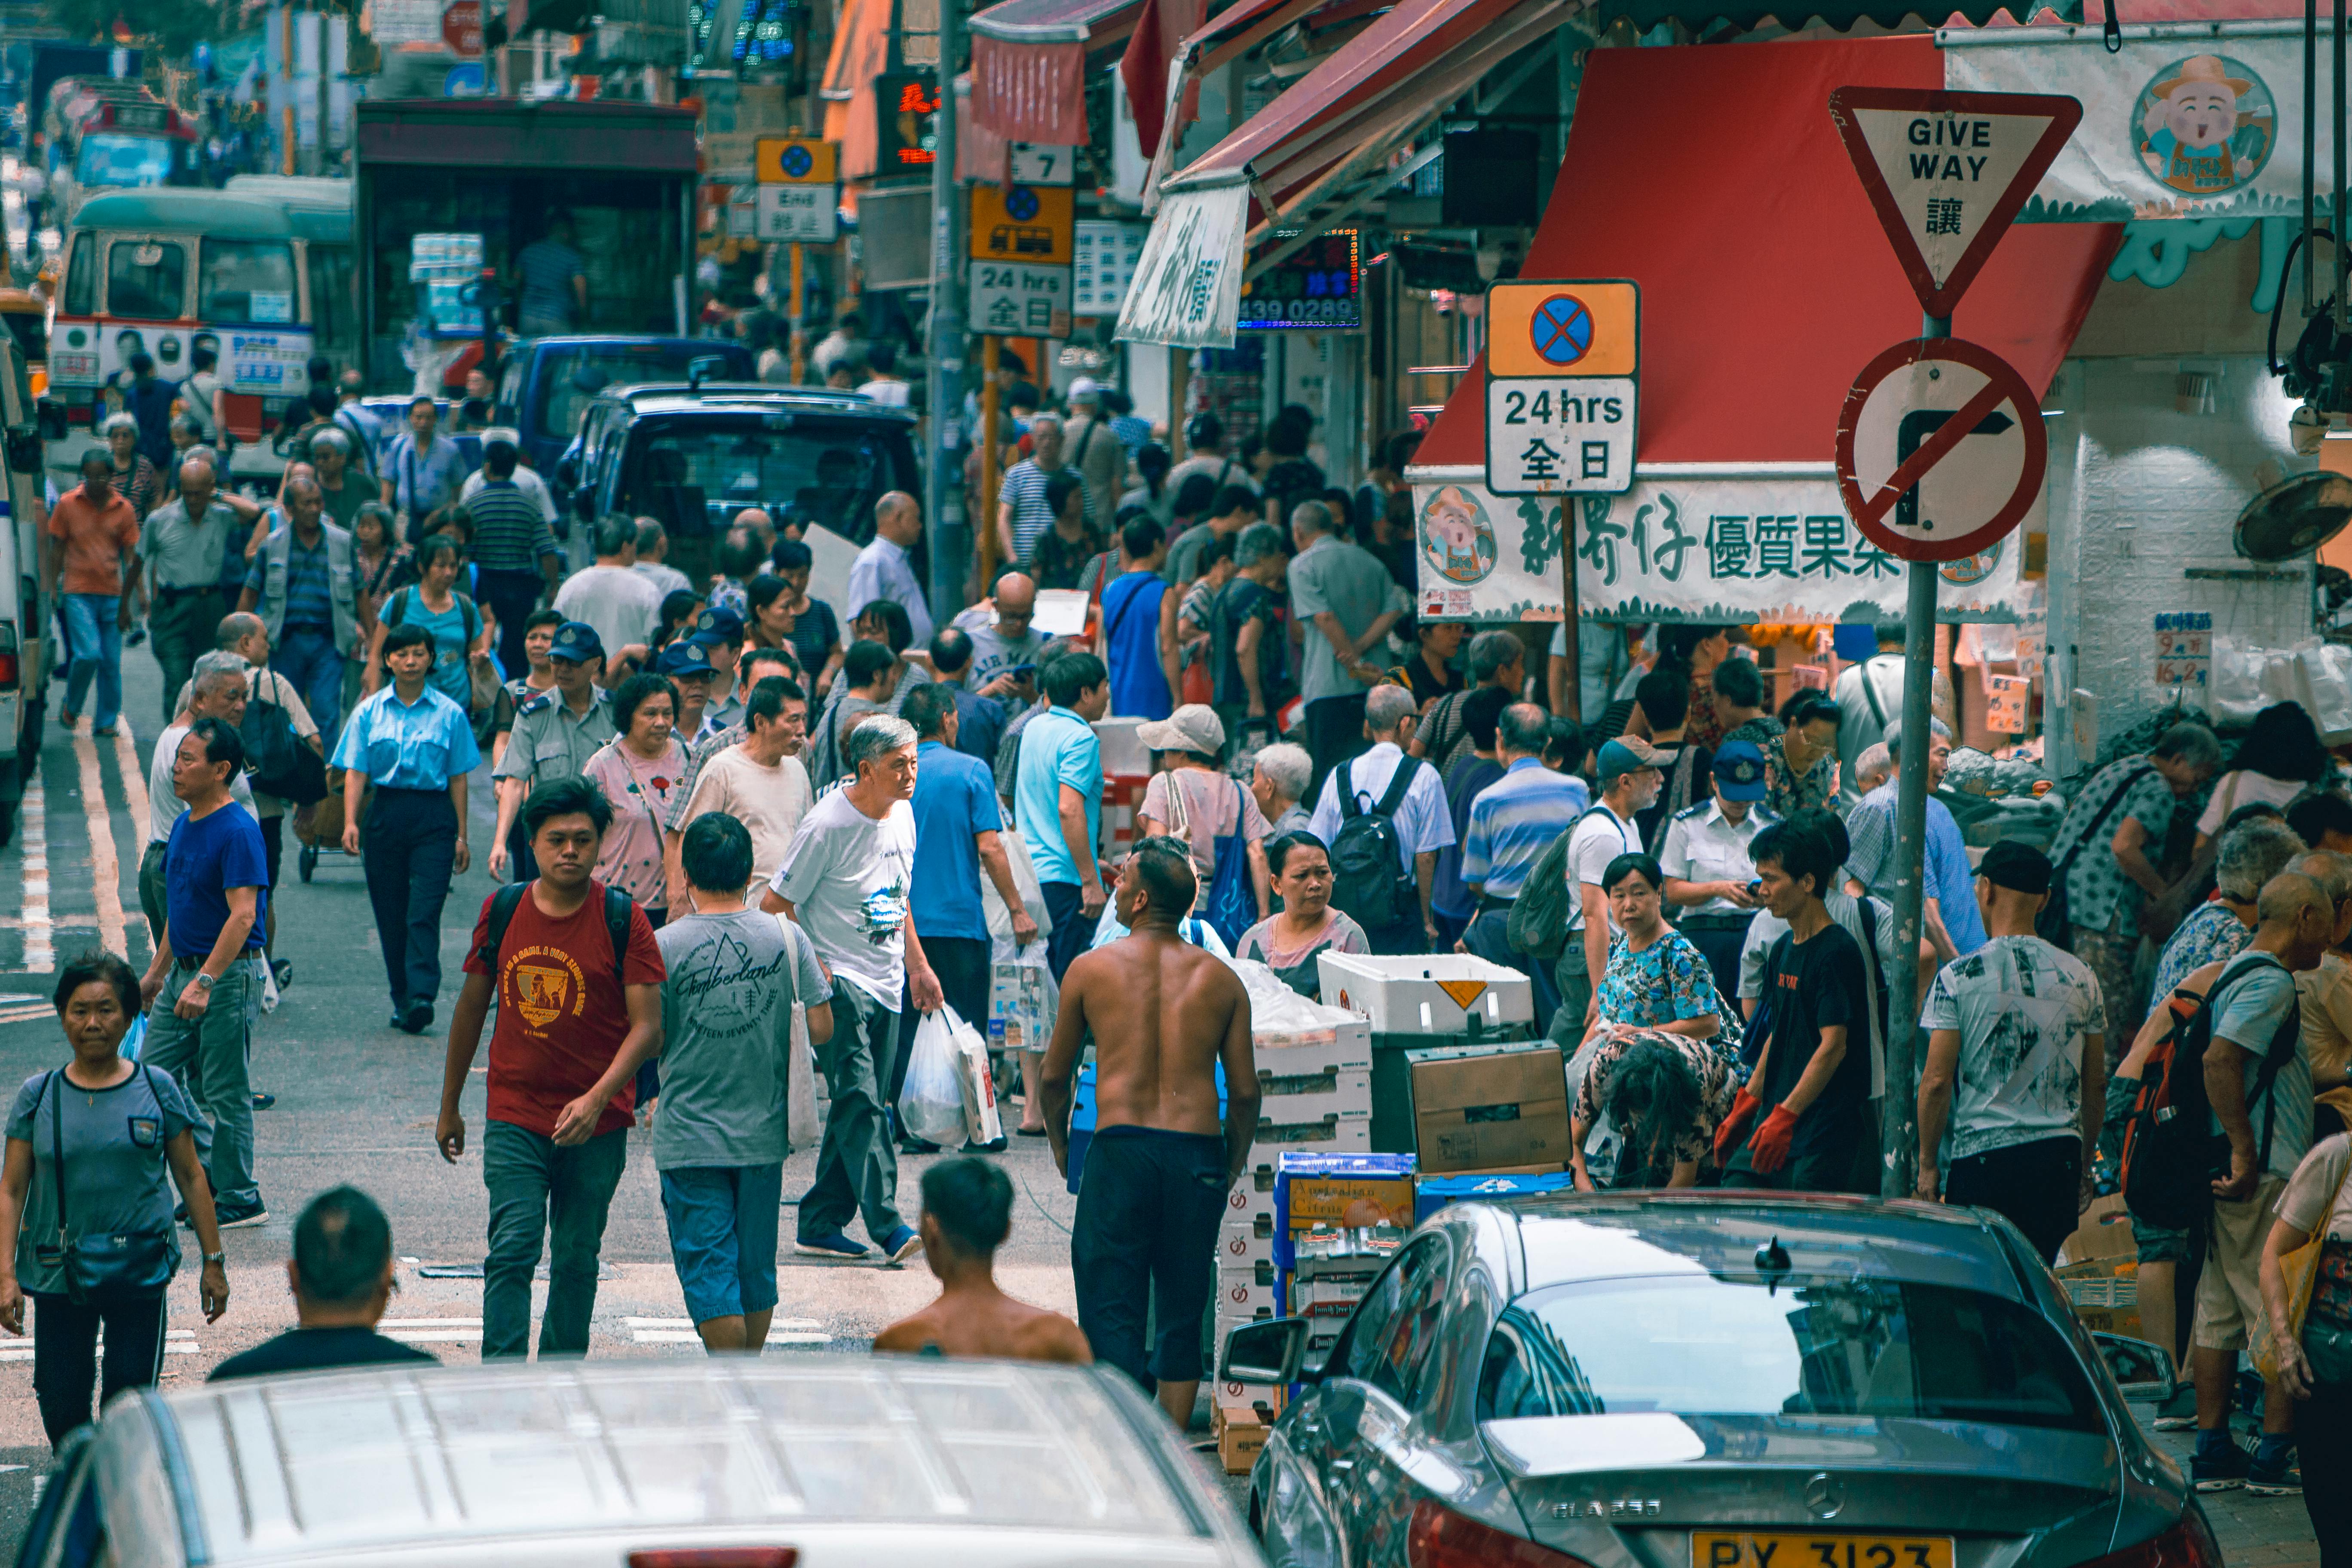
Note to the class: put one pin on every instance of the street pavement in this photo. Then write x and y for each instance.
(357, 1100)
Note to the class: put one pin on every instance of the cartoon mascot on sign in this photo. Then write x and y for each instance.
(1455, 537)
(2190, 129)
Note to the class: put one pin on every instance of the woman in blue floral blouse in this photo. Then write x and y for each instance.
(1656, 978)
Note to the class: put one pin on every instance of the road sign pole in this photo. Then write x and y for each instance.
(1898, 1113)
(1572, 629)
(943, 483)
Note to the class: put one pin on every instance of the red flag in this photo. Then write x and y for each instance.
(1160, 34)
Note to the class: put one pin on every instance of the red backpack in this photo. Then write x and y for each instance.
(2170, 1155)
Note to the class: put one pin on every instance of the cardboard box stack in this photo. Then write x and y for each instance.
(1338, 1220)
(1490, 1107)
(2098, 1267)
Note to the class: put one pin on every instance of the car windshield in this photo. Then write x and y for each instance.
(570, 379)
(112, 158)
(243, 280)
(1709, 1345)
(694, 478)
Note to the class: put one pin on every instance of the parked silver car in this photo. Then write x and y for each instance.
(1714, 1380)
(785, 1460)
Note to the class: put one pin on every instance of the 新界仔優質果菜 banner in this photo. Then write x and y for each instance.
(2189, 121)
(1706, 542)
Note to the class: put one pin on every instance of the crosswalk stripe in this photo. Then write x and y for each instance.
(106, 871)
(40, 953)
(135, 783)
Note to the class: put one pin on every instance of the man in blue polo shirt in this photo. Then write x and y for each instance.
(418, 746)
(206, 964)
(1057, 802)
(1512, 822)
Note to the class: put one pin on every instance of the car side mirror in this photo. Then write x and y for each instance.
(2144, 1370)
(1268, 1351)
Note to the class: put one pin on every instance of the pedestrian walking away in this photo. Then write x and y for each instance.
(611, 595)
(90, 1148)
(846, 881)
(733, 973)
(1510, 824)
(2016, 1064)
(1165, 1016)
(415, 747)
(967, 1215)
(1793, 1126)
(207, 963)
(93, 547)
(1057, 802)
(1378, 804)
(516, 557)
(340, 1278)
(577, 975)
(1347, 602)
(1949, 911)
(2315, 1358)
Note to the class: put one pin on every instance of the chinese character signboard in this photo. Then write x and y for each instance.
(1022, 239)
(2184, 651)
(1715, 550)
(1563, 361)
(906, 128)
(1107, 253)
(1010, 301)
(1188, 284)
(1318, 285)
(799, 189)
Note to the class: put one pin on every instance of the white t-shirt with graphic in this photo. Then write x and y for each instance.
(847, 875)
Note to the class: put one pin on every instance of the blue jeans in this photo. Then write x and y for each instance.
(723, 1221)
(94, 643)
(307, 656)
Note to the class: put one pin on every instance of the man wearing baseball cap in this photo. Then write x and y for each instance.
(2016, 1063)
(720, 630)
(1708, 870)
(556, 732)
(1629, 781)
(686, 665)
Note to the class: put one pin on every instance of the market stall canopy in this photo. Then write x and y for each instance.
(1713, 177)
(1029, 64)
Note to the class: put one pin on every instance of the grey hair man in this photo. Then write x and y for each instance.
(846, 881)
(1396, 917)
(1022, 513)
(885, 569)
(623, 606)
(1497, 658)
(1346, 599)
(1278, 778)
(1954, 924)
(653, 559)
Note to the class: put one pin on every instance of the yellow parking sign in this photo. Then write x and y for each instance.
(1569, 328)
(795, 161)
(1029, 224)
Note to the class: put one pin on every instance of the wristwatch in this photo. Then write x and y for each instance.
(219, 1258)
(204, 979)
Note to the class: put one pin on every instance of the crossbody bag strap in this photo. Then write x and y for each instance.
(58, 1149)
(2066, 861)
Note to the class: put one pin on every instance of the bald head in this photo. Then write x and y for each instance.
(196, 486)
(2333, 872)
(1017, 602)
(2298, 919)
(898, 517)
(761, 526)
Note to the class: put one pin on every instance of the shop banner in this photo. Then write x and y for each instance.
(267, 363)
(1187, 289)
(1701, 542)
(2193, 125)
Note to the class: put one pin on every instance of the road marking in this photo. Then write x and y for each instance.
(680, 1332)
(134, 789)
(432, 1331)
(40, 953)
(106, 871)
(176, 1341)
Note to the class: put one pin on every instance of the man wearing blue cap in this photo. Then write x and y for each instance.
(554, 733)
(687, 664)
(1710, 874)
(721, 633)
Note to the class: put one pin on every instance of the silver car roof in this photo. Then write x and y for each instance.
(307, 1466)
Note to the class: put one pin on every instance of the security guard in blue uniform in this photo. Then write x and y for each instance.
(555, 734)
(1709, 873)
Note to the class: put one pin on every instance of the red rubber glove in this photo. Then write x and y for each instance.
(1744, 1105)
(1769, 1149)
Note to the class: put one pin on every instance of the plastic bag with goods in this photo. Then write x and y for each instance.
(930, 1106)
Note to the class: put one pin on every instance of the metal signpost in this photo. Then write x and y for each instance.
(1941, 448)
(943, 497)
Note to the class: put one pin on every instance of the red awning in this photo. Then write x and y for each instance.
(1029, 64)
(1712, 176)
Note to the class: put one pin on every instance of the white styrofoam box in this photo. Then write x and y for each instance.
(1343, 1045)
(1314, 1124)
(1247, 1204)
(1248, 1270)
(1293, 1098)
(1239, 1244)
(1426, 994)
(1327, 1297)
(1123, 750)
(1255, 1397)
(1241, 1296)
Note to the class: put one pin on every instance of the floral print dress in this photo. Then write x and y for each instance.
(631, 857)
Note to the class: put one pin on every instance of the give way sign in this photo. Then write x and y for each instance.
(1940, 450)
(1947, 171)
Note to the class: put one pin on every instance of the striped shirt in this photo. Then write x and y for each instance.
(511, 533)
(309, 602)
(1024, 487)
(1514, 820)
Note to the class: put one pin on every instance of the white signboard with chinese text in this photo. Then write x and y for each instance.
(1712, 543)
(267, 363)
(1549, 438)
(805, 214)
(405, 21)
(2184, 650)
(1187, 283)
(1106, 256)
(1010, 299)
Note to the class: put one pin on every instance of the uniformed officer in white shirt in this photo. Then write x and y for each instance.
(1709, 874)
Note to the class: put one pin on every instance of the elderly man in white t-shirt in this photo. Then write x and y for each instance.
(1629, 781)
(1423, 825)
(216, 691)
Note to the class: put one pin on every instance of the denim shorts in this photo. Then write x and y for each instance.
(722, 1236)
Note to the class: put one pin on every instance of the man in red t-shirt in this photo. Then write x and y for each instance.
(93, 531)
(572, 1033)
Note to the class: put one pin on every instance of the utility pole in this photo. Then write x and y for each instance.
(943, 497)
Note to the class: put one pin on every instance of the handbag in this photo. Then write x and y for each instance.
(123, 1261)
(278, 760)
(2299, 1270)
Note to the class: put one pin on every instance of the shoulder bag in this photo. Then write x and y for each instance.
(91, 1265)
(2300, 1270)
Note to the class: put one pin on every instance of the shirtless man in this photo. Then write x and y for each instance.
(966, 1214)
(1163, 1014)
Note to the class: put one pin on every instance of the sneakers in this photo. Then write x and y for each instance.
(833, 1246)
(2220, 1467)
(2177, 1413)
(263, 1100)
(241, 1216)
(901, 1244)
(415, 1018)
(2275, 1472)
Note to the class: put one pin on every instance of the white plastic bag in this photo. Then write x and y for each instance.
(931, 1107)
(982, 1124)
(993, 907)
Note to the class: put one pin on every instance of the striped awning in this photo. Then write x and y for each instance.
(1029, 64)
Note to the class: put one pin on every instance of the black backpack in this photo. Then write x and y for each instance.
(504, 902)
(2172, 1155)
(275, 757)
(1369, 882)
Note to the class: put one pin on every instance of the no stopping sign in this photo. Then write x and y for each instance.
(1940, 450)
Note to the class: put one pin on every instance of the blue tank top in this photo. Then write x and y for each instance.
(1130, 618)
